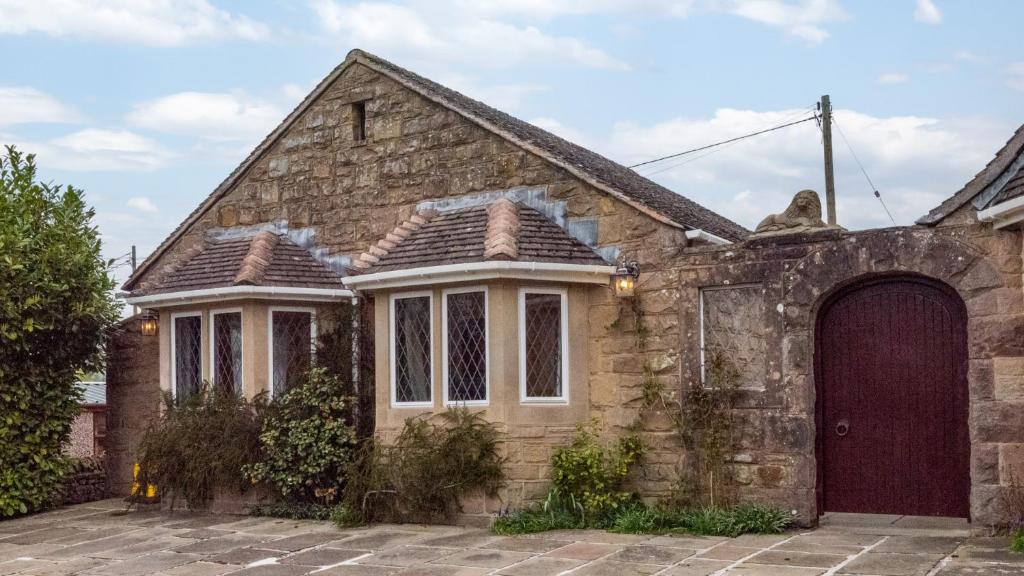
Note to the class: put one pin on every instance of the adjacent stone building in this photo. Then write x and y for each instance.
(486, 248)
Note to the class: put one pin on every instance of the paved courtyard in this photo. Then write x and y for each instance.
(98, 539)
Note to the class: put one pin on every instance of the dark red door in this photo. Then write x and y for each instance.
(892, 400)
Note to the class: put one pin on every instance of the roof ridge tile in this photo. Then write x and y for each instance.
(501, 243)
(255, 263)
(392, 239)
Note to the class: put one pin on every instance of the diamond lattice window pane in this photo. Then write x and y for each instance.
(412, 349)
(188, 355)
(543, 343)
(227, 351)
(292, 347)
(467, 347)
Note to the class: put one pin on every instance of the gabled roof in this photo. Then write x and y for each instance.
(653, 199)
(999, 181)
(263, 259)
(499, 231)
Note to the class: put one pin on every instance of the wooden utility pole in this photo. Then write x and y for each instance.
(826, 137)
(135, 309)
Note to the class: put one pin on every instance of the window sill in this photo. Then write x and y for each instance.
(474, 404)
(544, 401)
(417, 405)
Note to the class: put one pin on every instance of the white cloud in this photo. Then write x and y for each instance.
(96, 150)
(927, 12)
(1015, 76)
(214, 116)
(893, 78)
(555, 127)
(507, 97)
(804, 19)
(142, 204)
(148, 22)
(552, 8)
(25, 105)
(916, 162)
(438, 33)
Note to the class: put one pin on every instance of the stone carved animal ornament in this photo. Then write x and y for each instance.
(803, 213)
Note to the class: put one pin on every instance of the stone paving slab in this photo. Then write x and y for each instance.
(99, 539)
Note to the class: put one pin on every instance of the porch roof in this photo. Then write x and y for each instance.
(500, 236)
(258, 265)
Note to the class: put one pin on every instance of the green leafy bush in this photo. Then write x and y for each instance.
(55, 307)
(1017, 542)
(307, 441)
(200, 444)
(293, 510)
(421, 477)
(592, 475)
(640, 519)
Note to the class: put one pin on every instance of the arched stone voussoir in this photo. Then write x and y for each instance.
(890, 251)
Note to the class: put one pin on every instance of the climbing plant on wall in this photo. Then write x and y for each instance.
(55, 306)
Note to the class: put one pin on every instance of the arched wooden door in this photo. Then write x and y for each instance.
(891, 373)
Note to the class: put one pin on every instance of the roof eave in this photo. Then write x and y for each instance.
(165, 299)
(478, 271)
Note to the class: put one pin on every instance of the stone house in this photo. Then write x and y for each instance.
(481, 250)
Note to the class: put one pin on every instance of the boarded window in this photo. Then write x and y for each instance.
(466, 346)
(227, 351)
(188, 354)
(733, 323)
(542, 342)
(411, 365)
(291, 347)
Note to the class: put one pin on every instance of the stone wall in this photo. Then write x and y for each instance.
(353, 193)
(85, 482)
(133, 398)
(795, 274)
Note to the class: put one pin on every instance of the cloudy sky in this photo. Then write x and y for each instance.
(149, 104)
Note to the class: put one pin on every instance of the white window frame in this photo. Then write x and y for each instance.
(270, 338)
(564, 398)
(487, 345)
(213, 343)
(391, 349)
(174, 348)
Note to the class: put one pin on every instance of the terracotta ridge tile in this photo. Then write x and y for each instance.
(502, 230)
(392, 239)
(254, 264)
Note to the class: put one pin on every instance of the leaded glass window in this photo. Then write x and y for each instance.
(411, 364)
(187, 335)
(226, 336)
(542, 361)
(466, 346)
(291, 347)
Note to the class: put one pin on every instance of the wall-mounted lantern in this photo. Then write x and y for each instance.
(624, 279)
(150, 323)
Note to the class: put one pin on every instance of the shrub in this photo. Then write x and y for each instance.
(55, 306)
(557, 512)
(294, 511)
(1017, 542)
(200, 444)
(306, 440)
(422, 476)
(592, 475)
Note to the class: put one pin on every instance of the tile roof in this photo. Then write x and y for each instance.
(1013, 188)
(501, 230)
(263, 259)
(1004, 159)
(656, 200)
(93, 392)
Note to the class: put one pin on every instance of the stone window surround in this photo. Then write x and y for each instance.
(174, 348)
(444, 344)
(270, 337)
(563, 398)
(213, 342)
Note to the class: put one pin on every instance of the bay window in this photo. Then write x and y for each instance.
(186, 354)
(411, 319)
(543, 350)
(226, 349)
(292, 337)
(465, 360)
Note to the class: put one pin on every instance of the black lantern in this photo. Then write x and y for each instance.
(624, 279)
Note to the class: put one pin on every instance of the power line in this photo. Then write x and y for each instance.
(863, 171)
(729, 141)
(724, 146)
